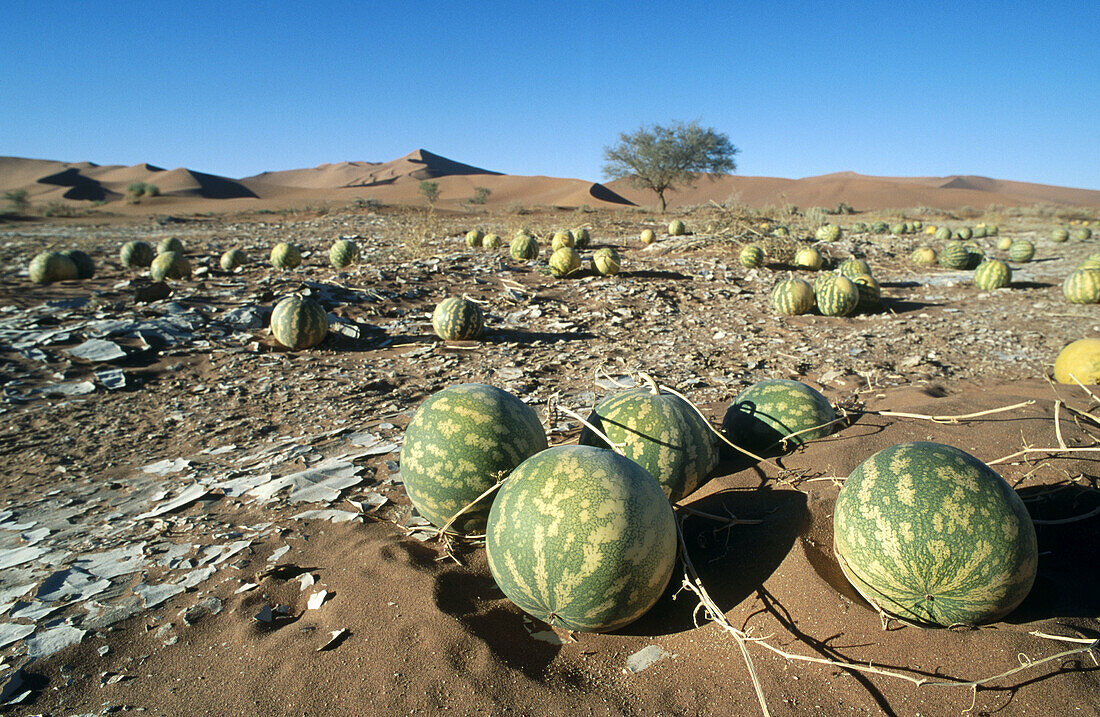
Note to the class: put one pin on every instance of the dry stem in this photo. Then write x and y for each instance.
(952, 419)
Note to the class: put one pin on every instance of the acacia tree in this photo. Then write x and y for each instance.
(662, 158)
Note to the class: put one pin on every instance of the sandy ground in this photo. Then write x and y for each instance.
(210, 604)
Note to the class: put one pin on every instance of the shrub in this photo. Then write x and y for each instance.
(480, 195)
(430, 190)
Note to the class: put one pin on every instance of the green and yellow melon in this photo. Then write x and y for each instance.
(136, 255)
(660, 432)
(171, 244)
(859, 228)
(809, 257)
(934, 537)
(1079, 360)
(343, 253)
(964, 233)
(285, 256)
(169, 265)
(897, 229)
(648, 236)
(991, 230)
(473, 238)
(50, 266)
(837, 296)
(992, 274)
(751, 256)
(460, 441)
(298, 322)
(581, 538)
(781, 232)
(1021, 251)
(677, 228)
(85, 267)
(854, 267)
(870, 293)
(1092, 262)
(457, 319)
(1082, 286)
(1059, 235)
(564, 261)
(524, 248)
(777, 411)
(943, 234)
(792, 297)
(827, 233)
(232, 259)
(562, 240)
(979, 232)
(954, 255)
(923, 256)
(606, 261)
(1003, 243)
(492, 241)
(581, 238)
(1082, 234)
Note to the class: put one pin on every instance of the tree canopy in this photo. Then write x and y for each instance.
(661, 158)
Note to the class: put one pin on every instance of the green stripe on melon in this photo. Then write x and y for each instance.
(792, 297)
(456, 319)
(933, 536)
(1082, 286)
(581, 538)
(766, 413)
(298, 322)
(992, 274)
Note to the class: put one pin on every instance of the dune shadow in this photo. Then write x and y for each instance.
(602, 193)
(215, 187)
(80, 186)
(733, 561)
(1067, 583)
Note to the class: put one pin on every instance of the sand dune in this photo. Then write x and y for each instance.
(418, 165)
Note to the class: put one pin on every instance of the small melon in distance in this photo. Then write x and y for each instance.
(298, 322)
(1021, 251)
(827, 233)
(1082, 286)
(581, 538)
(524, 248)
(285, 256)
(473, 238)
(457, 445)
(648, 236)
(677, 228)
(992, 274)
(923, 256)
(170, 244)
(561, 240)
(1080, 360)
(136, 254)
(232, 259)
(343, 253)
(492, 241)
(170, 265)
(751, 256)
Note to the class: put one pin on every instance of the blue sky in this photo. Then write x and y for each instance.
(1001, 89)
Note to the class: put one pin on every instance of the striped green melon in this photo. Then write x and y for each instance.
(781, 232)
(169, 265)
(564, 261)
(979, 231)
(943, 234)
(1021, 251)
(50, 266)
(456, 319)
(473, 238)
(897, 229)
(992, 274)
(524, 248)
(662, 433)
(870, 293)
(606, 261)
(880, 227)
(648, 236)
(1079, 361)
(562, 240)
(1092, 262)
(975, 256)
(933, 536)
(827, 233)
(954, 255)
(285, 256)
(170, 244)
(918, 225)
(809, 258)
(792, 297)
(298, 322)
(1003, 243)
(231, 259)
(964, 233)
(343, 253)
(457, 445)
(581, 538)
(751, 256)
(838, 296)
(854, 267)
(492, 241)
(770, 412)
(923, 256)
(85, 267)
(858, 228)
(581, 237)
(1082, 234)
(677, 228)
(136, 255)
(991, 230)
(1082, 287)
(1059, 235)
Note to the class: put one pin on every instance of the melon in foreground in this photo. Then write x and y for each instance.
(929, 534)
(809, 258)
(298, 322)
(456, 319)
(1079, 360)
(459, 441)
(771, 412)
(792, 297)
(524, 247)
(581, 538)
(992, 274)
(659, 431)
(606, 261)
(564, 261)
(677, 228)
(751, 256)
(648, 236)
(1082, 286)
(50, 266)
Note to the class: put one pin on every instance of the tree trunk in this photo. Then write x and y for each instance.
(661, 196)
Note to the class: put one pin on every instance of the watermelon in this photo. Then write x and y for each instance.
(561, 240)
(1059, 235)
(979, 231)
(677, 228)
(751, 256)
(992, 230)
(954, 255)
(343, 253)
(85, 267)
(809, 258)
(524, 248)
(136, 255)
(50, 266)
(1080, 360)
(606, 261)
(870, 292)
(858, 228)
(934, 537)
(854, 267)
(897, 229)
(170, 265)
(880, 227)
(923, 256)
(581, 538)
(781, 232)
(827, 233)
(792, 297)
(1021, 251)
(1003, 243)
(1082, 234)
(837, 296)
(660, 432)
(581, 238)
(473, 238)
(964, 233)
(456, 319)
(564, 261)
(285, 256)
(171, 244)
(299, 323)
(231, 259)
(648, 236)
(457, 443)
(768, 412)
(1082, 287)
(492, 241)
(943, 234)
(992, 274)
